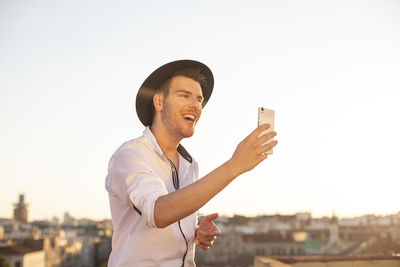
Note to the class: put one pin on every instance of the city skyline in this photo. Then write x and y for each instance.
(330, 70)
(81, 241)
(71, 216)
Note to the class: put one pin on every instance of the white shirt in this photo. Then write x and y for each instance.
(138, 174)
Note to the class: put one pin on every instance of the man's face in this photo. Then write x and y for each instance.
(182, 107)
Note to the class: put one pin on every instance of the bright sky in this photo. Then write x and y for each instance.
(70, 70)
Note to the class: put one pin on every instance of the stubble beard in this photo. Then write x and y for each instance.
(174, 124)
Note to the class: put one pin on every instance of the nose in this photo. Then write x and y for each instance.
(196, 103)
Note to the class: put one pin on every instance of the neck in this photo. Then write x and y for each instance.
(167, 141)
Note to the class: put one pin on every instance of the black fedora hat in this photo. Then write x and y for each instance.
(144, 97)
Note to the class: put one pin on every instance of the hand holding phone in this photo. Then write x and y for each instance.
(266, 116)
(247, 154)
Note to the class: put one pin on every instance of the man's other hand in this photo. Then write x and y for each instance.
(207, 232)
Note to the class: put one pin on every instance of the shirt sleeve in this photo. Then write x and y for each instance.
(131, 178)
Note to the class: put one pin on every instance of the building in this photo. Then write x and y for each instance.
(239, 249)
(329, 261)
(24, 253)
(21, 210)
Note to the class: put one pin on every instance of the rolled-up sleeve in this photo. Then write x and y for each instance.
(133, 181)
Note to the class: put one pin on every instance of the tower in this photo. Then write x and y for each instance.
(21, 210)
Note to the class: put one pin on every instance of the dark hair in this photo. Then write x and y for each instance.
(192, 73)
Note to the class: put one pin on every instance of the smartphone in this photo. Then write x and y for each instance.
(266, 116)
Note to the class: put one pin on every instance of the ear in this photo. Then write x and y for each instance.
(158, 102)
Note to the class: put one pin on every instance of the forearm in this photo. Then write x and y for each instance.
(180, 204)
(174, 206)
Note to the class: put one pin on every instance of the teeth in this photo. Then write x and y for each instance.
(188, 116)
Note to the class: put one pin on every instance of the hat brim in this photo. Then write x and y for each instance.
(144, 97)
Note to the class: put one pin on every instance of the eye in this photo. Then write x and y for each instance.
(185, 95)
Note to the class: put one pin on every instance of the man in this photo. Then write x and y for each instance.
(152, 181)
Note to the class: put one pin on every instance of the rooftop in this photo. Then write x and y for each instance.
(331, 261)
(21, 247)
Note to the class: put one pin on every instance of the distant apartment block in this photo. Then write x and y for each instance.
(25, 253)
(300, 236)
(47, 243)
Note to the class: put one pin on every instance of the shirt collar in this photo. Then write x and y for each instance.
(151, 138)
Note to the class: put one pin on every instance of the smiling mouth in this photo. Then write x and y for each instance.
(189, 117)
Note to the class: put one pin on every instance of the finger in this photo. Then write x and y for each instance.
(256, 133)
(265, 125)
(209, 228)
(263, 150)
(216, 233)
(211, 217)
(205, 247)
(265, 137)
(205, 242)
(208, 243)
(261, 158)
(266, 147)
(202, 237)
(205, 237)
